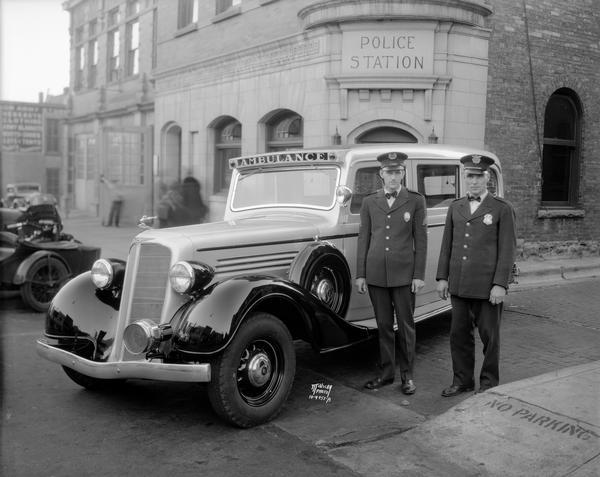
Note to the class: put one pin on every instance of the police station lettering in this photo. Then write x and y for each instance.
(550, 423)
(394, 55)
(271, 159)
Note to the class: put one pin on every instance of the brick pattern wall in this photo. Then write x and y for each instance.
(563, 41)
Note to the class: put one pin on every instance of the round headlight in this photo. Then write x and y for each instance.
(102, 273)
(182, 277)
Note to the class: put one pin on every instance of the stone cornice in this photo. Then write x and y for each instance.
(470, 12)
(111, 113)
(289, 50)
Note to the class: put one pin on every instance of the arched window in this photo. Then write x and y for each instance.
(285, 131)
(385, 134)
(228, 144)
(560, 162)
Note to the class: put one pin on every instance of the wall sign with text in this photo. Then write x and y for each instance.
(388, 51)
(21, 127)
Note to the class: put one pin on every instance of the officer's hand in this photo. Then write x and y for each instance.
(442, 289)
(497, 294)
(417, 285)
(361, 285)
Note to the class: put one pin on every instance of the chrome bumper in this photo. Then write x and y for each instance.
(193, 373)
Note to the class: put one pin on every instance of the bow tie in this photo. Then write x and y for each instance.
(389, 195)
(471, 197)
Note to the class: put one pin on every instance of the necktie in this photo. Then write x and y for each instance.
(472, 197)
(389, 195)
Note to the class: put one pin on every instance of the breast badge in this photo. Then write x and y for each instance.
(487, 219)
(406, 216)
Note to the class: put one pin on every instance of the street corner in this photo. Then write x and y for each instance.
(497, 434)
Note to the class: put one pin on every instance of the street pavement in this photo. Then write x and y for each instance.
(546, 425)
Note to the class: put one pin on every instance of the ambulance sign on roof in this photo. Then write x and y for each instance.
(283, 158)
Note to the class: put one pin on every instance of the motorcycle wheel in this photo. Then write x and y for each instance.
(45, 278)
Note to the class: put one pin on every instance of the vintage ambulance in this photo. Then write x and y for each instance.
(223, 302)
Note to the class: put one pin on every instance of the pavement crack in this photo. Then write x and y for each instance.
(513, 309)
(348, 443)
(552, 319)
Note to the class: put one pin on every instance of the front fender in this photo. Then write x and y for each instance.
(83, 319)
(206, 326)
(20, 276)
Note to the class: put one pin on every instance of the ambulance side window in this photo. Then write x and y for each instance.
(366, 182)
(438, 183)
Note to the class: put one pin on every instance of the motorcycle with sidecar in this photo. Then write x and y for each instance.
(37, 257)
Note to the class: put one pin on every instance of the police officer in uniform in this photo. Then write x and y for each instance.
(391, 255)
(476, 258)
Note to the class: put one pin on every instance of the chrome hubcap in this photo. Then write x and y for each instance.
(259, 369)
(325, 290)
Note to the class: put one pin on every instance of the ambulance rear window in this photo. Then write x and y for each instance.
(438, 183)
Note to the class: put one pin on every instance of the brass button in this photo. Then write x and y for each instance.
(464, 258)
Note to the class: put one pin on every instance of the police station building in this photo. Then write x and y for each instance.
(520, 78)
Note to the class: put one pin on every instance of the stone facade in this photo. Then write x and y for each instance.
(111, 113)
(336, 64)
(474, 72)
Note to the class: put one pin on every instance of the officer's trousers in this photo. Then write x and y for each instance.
(385, 301)
(466, 314)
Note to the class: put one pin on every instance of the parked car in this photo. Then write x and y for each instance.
(18, 194)
(223, 302)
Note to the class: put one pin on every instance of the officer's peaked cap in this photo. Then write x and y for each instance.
(476, 163)
(392, 160)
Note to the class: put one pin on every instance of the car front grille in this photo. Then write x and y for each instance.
(151, 282)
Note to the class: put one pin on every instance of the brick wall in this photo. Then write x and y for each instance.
(564, 46)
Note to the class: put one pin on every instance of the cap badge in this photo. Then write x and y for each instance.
(392, 155)
(476, 159)
(406, 216)
(487, 219)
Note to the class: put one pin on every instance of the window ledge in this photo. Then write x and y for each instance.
(559, 213)
(186, 29)
(230, 12)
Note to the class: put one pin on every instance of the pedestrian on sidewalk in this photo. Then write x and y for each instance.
(171, 209)
(192, 200)
(391, 254)
(116, 201)
(476, 258)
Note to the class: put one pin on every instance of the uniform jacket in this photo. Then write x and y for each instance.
(392, 241)
(478, 251)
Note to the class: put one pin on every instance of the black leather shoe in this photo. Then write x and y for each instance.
(456, 389)
(408, 387)
(378, 383)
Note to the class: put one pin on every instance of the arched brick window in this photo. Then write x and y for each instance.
(228, 144)
(285, 131)
(385, 134)
(560, 161)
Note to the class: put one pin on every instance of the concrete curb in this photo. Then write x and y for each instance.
(540, 273)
